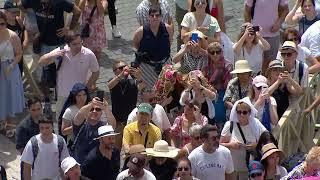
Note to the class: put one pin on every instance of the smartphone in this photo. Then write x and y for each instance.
(100, 95)
(255, 28)
(194, 37)
(134, 64)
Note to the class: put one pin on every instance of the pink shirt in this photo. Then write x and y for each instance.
(266, 14)
(75, 69)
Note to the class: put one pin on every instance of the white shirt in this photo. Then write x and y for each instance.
(207, 166)
(75, 69)
(303, 54)
(159, 117)
(70, 113)
(238, 155)
(46, 165)
(254, 58)
(147, 175)
(260, 108)
(295, 74)
(311, 39)
(189, 21)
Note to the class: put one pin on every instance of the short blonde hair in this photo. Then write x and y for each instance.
(314, 155)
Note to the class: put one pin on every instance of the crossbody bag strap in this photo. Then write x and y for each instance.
(242, 135)
(91, 14)
(146, 140)
(77, 136)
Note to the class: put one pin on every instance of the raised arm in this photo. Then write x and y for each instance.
(293, 17)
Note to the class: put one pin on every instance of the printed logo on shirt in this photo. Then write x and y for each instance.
(211, 165)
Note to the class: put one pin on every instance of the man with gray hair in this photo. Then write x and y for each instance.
(194, 132)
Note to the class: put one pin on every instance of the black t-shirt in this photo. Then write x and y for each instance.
(124, 99)
(281, 95)
(24, 131)
(98, 167)
(49, 18)
(165, 171)
(85, 142)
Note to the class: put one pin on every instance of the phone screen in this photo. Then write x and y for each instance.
(100, 95)
(194, 37)
(255, 28)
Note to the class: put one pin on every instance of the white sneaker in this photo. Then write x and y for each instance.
(115, 32)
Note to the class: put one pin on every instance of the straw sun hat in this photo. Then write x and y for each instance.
(241, 66)
(269, 149)
(162, 149)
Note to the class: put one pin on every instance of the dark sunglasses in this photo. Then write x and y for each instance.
(198, 3)
(242, 112)
(196, 138)
(155, 15)
(120, 68)
(96, 109)
(293, 39)
(289, 54)
(260, 87)
(254, 175)
(215, 52)
(183, 169)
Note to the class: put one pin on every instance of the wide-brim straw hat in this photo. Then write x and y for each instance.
(269, 149)
(241, 66)
(162, 149)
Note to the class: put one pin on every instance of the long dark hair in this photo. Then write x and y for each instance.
(265, 138)
(193, 9)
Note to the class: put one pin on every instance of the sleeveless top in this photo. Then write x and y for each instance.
(304, 23)
(157, 47)
(6, 50)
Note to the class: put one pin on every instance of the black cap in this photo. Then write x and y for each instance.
(10, 5)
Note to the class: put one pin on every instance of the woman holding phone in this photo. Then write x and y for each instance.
(250, 46)
(199, 18)
(260, 97)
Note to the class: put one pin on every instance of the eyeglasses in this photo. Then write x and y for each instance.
(2, 24)
(261, 87)
(215, 52)
(242, 112)
(120, 68)
(255, 175)
(288, 54)
(95, 109)
(183, 169)
(155, 15)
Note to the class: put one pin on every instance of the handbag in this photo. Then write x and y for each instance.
(85, 32)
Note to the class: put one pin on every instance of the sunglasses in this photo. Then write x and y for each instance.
(289, 54)
(183, 169)
(155, 15)
(254, 175)
(120, 68)
(260, 87)
(215, 52)
(242, 112)
(196, 138)
(95, 109)
(199, 3)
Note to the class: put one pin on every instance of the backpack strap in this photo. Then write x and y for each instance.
(60, 147)
(35, 149)
(231, 127)
(300, 71)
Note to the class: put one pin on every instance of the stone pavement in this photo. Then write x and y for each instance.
(121, 49)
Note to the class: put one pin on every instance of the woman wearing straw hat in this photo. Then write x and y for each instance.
(271, 157)
(162, 164)
(238, 87)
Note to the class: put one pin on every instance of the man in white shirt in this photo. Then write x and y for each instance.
(211, 160)
(311, 39)
(75, 64)
(136, 169)
(297, 69)
(43, 154)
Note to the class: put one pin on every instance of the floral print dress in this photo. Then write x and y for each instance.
(97, 39)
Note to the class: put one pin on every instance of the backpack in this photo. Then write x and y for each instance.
(35, 148)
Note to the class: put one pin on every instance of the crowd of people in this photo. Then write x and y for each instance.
(207, 112)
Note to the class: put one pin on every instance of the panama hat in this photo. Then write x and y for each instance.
(162, 149)
(106, 130)
(68, 163)
(269, 149)
(289, 45)
(241, 66)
